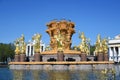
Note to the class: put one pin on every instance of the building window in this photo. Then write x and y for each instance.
(41, 48)
(28, 50)
(31, 50)
(116, 48)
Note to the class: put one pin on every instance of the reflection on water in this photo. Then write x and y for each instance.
(64, 75)
(7, 74)
(58, 75)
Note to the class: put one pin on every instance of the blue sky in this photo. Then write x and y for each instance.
(31, 16)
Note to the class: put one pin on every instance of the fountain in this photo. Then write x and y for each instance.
(60, 56)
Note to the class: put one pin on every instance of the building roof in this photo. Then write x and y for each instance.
(117, 37)
(115, 41)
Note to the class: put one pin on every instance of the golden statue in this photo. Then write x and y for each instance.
(23, 47)
(17, 46)
(37, 38)
(84, 45)
(98, 45)
(23, 44)
(22, 38)
(104, 45)
(59, 38)
(20, 45)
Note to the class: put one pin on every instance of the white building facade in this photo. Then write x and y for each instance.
(30, 48)
(114, 49)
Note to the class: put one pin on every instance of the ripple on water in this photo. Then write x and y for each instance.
(7, 74)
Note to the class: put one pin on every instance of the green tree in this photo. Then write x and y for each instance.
(6, 51)
(92, 49)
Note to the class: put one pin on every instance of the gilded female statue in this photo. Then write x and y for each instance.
(37, 38)
(104, 45)
(98, 45)
(17, 46)
(84, 46)
(23, 44)
(20, 45)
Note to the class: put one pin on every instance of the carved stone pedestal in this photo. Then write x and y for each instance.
(60, 56)
(83, 57)
(17, 57)
(37, 57)
(100, 57)
(22, 57)
(106, 57)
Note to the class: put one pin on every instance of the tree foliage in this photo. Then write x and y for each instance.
(92, 49)
(6, 51)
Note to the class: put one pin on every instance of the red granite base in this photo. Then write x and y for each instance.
(100, 57)
(106, 57)
(60, 56)
(17, 57)
(22, 57)
(83, 57)
(37, 57)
